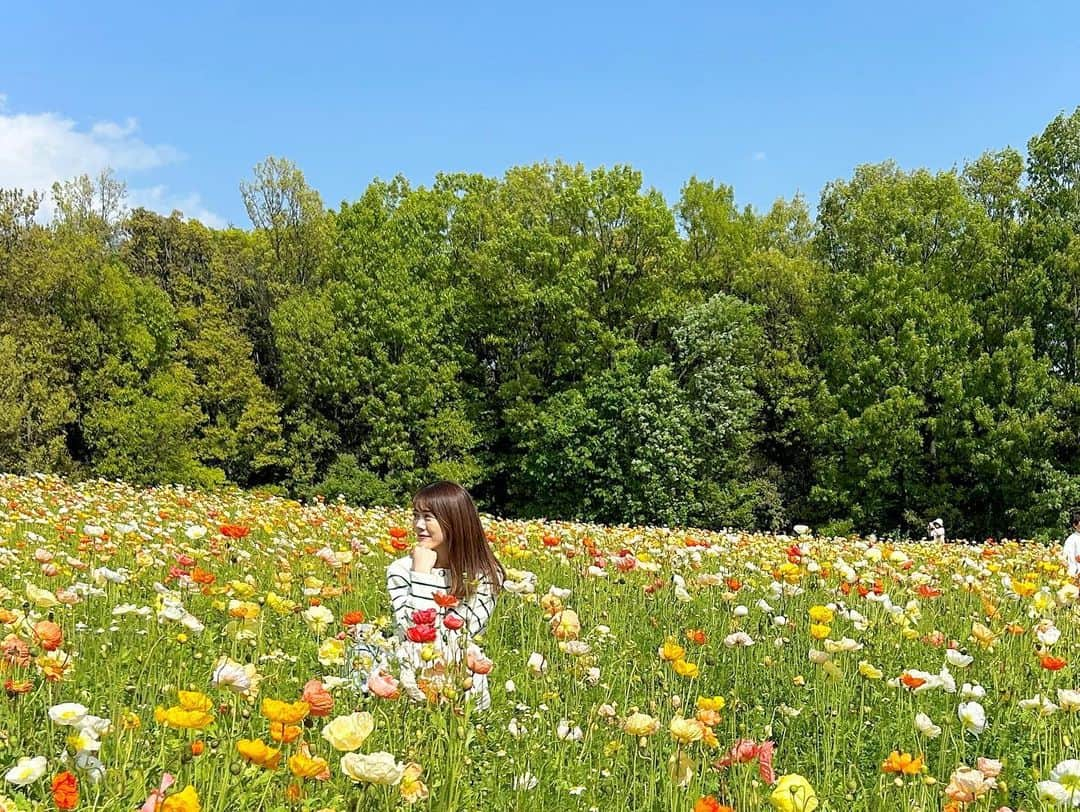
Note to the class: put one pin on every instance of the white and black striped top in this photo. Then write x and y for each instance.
(413, 591)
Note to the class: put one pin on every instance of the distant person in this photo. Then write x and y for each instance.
(1071, 550)
(936, 531)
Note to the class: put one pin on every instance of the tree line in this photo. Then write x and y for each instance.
(567, 344)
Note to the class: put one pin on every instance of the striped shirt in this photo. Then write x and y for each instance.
(412, 591)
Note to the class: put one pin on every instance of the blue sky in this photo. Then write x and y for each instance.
(183, 99)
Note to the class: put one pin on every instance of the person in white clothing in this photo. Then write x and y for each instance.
(1071, 549)
(936, 531)
(442, 595)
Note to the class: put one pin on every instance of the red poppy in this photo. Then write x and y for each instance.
(746, 750)
(234, 531)
(453, 622)
(551, 541)
(421, 634)
(927, 591)
(399, 544)
(398, 532)
(353, 618)
(734, 584)
(424, 617)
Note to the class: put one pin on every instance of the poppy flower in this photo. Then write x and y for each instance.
(318, 698)
(909, 681)
(424, 633)
(444, 600)
(453, 622)
(477, 662)
(49, 635)
(201, 576)
(697, 636)
(707, 803)
(184, 801)
(383, 685)
(904, 763)
(424, 617)
(671, 650)
(353, 618)
(304, 765)
(285, 713)
(1052, 663)
(744, 751)
(65, 790)
(285, 733)
(685, 669)
(15, 687)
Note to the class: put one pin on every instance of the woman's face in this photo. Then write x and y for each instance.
(428, 531)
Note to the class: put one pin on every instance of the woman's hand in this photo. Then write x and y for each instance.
(423, 558)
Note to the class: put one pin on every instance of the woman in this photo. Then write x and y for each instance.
(442, 595)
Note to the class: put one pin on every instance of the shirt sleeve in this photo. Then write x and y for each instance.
(477, 608)
(1070, 552)
(411, 591)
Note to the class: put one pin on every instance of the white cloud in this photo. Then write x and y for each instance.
(38, 149)
(758, 156)
(158, 198)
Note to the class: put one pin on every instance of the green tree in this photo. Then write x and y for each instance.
(366, 353)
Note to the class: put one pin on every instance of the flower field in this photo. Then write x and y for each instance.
(166, 649)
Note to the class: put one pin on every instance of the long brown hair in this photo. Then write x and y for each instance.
(466, 545)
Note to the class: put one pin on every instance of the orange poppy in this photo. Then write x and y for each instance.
(65, 790)
(1052, 663)
(909, 681)
(905, 763)
(49, 635)
(445, 600)
(285, 733)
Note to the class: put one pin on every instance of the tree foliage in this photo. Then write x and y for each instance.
(566, 343)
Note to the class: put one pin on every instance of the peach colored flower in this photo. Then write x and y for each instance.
(318, 698)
